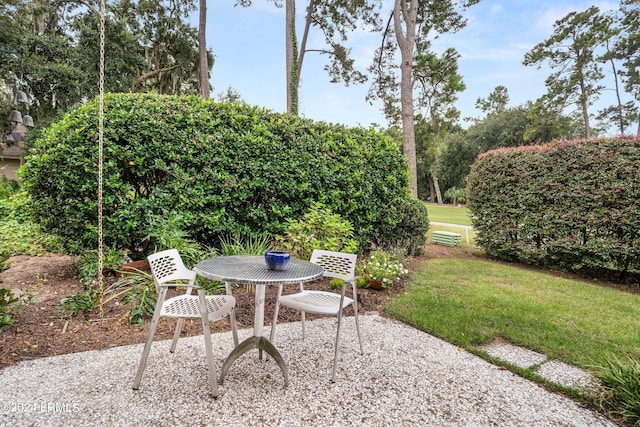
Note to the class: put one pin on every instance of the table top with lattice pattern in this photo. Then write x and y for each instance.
(252, 269)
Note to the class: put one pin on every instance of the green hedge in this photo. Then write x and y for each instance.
(572, 205)
(222, 168)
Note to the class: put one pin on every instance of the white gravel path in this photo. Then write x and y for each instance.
(405, 378)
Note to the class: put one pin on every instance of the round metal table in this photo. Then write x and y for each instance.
(252, 270)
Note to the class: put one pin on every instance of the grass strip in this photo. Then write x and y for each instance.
(470, 302)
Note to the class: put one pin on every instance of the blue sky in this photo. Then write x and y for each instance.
(248, 44)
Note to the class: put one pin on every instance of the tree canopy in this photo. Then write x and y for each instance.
(582, 42)
(420, 79)
(52, 47)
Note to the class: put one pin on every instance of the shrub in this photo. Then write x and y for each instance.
(571, 205)
(112, 259)
(317, 229)
(8, 187)
(167, 233)
(8, 300)
(83, 302)
(137, 289)
(225, 168)
(407, 231)
(27, 238)
(18, 205)
(244, 245)
(456, 195)
(18, 234)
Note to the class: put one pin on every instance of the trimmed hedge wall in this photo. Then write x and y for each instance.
(572, 205)
(221, 168)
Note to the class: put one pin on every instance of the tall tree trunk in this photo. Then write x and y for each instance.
(585, 112)
(305, 35)
(406, 43)
(290, 16)
(436, 184)
(298, 58)
(432, 188)
(619, 109)
(205, 91)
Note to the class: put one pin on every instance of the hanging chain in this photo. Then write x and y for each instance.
(100, 154)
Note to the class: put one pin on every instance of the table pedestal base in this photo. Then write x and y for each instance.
(261, 343)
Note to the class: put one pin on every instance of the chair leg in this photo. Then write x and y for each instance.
(213, 380)
(176, 335)
(302, 318)
(335, 354)
(275, 314)
(355, 309)
(234, 327)
(178, 331)
(304, 329)
(149, 341)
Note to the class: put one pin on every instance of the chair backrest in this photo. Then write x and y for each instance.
(167, 266)
(336, 264)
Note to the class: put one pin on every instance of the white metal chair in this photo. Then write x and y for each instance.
(337, 265)
(168, 270)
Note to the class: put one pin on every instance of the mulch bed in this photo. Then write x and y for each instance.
(39, 329)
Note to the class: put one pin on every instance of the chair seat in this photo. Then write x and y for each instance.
(336, 265)
(188, 306)
(318, 302)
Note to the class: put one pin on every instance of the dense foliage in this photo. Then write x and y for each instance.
(573, 205)
(18, 234)
(317, 229)
(7, 297)
(221, 168)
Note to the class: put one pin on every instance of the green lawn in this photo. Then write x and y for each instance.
(470, 302)
(448, 213)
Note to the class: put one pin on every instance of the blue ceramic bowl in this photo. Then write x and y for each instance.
(277, 260)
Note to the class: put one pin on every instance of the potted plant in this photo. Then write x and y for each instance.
(380, 270)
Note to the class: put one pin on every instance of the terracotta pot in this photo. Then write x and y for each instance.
(375, 284)
(132, 266)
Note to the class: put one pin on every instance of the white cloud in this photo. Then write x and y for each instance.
(548, 17)
(496, 9)
(546, 20)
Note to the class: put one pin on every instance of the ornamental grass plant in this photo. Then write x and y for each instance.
(620, 378)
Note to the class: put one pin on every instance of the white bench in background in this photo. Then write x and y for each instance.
(446, 238)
